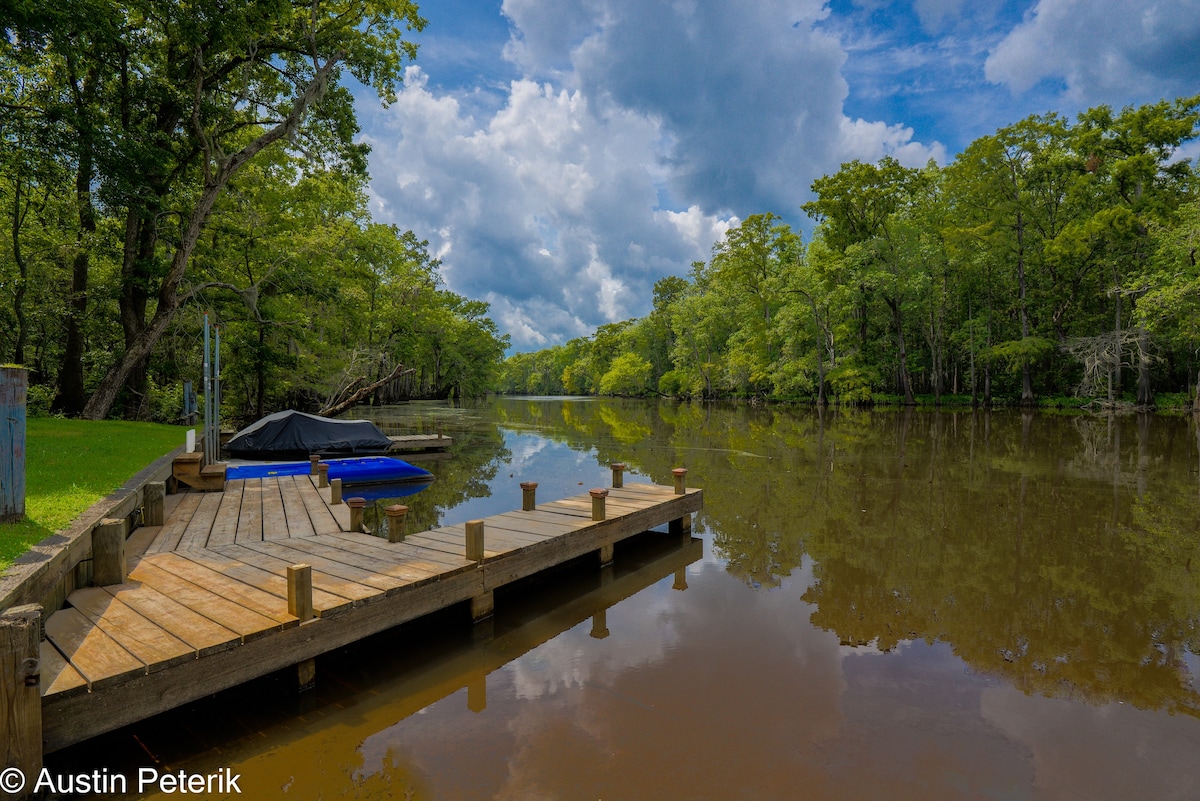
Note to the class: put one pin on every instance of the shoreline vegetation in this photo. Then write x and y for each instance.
(1053, 262)
(71, 464)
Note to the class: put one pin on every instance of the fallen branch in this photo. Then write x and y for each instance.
(334, 409)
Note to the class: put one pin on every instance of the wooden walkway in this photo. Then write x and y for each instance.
(420, 442)
(205, 605)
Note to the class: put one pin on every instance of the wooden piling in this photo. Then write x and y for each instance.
(13, 389)
(528, 496)
(154, 503)
(21, 696)
(599, 624)
(474, 540)
(357, 505)
(598, 496)
(300, 591)
(679, 473)
(313, 461)
(322, 475)
(335, 492)
(680, 582)
(395, 522)
(618, 473)
(108, 552)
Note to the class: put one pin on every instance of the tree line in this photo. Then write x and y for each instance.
(1052, 258)
(160, 161)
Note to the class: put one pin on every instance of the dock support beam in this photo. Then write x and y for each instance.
(108, 552)
(21, 695)
(300, 604)
(528, 496)
(154, 502)
(395, 522)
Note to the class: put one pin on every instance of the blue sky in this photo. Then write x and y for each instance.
(562, 155)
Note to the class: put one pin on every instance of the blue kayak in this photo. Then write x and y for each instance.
(354, 470)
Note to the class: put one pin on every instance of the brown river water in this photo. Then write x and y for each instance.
(873, 605)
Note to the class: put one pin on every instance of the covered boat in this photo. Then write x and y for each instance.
(291, 434)
(355, 470)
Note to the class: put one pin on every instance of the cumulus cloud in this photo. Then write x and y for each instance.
(1101, 50)
(637, 134)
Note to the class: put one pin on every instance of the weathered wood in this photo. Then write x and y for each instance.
(299, 523)
(154, 503)
(357, 505)
(20, 690)
(252, 597)
(319, 514)
(335, 492)
(250, 520)
(275, 520)
(244, 622)
(322, 475)
(57, 674)
(224, 527)
(483, 606)
(108, 552)
(313, 461)
(98, 657)
(598, 497)
(528, 496)
(201, 634)
(300, 592)
(474, 544)
(198, 528)
(14, 385)
(618, 474)
(680, 473)
(176, 523)
(606, 554)
(395, 521)
(335, 594)
(151, 645)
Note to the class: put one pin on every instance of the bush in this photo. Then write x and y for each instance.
(38, 399)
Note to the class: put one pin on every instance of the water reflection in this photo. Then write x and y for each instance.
(889, 605)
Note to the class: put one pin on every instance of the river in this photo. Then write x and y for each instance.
(875, 604)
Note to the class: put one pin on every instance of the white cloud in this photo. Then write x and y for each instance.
(1103, 50)
(637, 136)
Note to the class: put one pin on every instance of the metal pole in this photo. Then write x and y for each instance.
(216, 453)
(207, 393)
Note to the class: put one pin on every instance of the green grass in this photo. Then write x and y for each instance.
(71, 464)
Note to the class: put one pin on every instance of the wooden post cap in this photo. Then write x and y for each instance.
(598, 493)
(617, 466)
(356, 503)
(528, 485)
(598, 496)
(396, 510)
(312, 464)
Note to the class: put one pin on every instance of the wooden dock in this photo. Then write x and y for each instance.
(270, 573)
(419, 443)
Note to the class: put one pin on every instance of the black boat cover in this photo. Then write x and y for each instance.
(290, 434)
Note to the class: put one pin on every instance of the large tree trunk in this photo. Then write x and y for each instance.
(71, 397)
(1145, 394)
(215, 181)
(905, 378)
(18, 218)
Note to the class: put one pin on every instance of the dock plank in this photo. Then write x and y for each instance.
(196, 533)
(444, 563)
(146, 640)
(270, 560)
(299, 522)
(369, 579)
(201, 633)
(58, 676)
(175, 524)
(100, 659)
(224, 529)
(341, 512)
(271, 583)
(275, 523)
(248, 624)
(249, 527)
(347, 553)
(320, 513)
(202, 573)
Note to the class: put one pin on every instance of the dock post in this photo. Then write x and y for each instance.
(14, 384)
(313, 461)
(680, 526)
(322, 475)
(680, 582)
(335, 492)
(395, 522)
(474, 540)
(598, 496)
(618, 470)
(21, 692)
(528, 496)
(300, 604)
(679, 473)
(154, 500)
(599, 624)
(356, 512)
(108, 552)
(477, 692)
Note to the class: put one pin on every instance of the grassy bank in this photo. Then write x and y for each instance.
(71, 464)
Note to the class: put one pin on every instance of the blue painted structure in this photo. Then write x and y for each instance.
(14, 385)
(353, 470)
